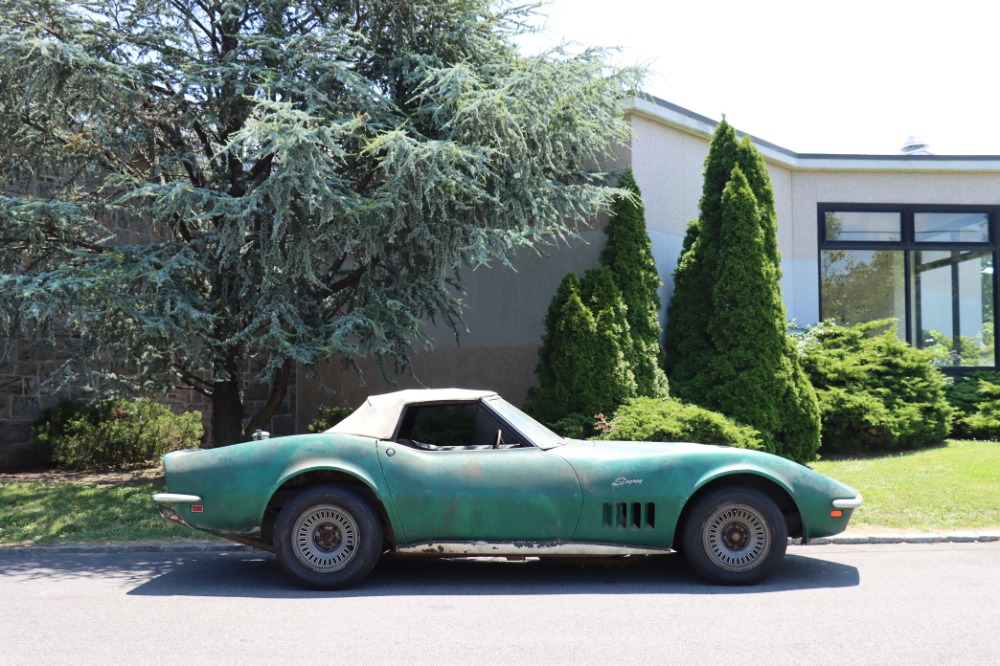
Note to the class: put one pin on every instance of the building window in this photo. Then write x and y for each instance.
(928, 267)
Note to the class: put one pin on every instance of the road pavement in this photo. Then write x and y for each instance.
(828, 604)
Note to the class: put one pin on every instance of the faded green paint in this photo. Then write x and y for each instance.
(236, 482)
(620, 473)
(669, 474)
(571, 493)
(521, 494)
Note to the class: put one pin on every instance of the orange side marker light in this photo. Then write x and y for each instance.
(836, 513)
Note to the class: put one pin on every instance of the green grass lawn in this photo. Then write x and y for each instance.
(43, 513)
(951, 487)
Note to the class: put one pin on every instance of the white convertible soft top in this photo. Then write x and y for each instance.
(379, 414)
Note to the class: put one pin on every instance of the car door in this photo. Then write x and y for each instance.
(455, 473)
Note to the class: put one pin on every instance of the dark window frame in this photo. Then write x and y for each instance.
(907, 245)
(405, 427)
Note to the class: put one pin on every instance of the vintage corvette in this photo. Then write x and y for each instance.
(461, 473)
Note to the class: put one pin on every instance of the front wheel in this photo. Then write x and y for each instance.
(327, 537)
(734, 536)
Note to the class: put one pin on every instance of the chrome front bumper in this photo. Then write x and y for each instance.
(850, 503)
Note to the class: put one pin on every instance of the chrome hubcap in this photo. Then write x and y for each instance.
(325, 538)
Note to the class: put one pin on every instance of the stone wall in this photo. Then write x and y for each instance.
(24, 396)
(20, 402)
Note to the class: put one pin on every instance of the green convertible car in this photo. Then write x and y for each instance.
(461, 473)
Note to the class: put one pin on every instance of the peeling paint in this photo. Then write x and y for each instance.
(525, 549)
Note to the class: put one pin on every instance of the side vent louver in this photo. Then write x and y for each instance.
(629, 515)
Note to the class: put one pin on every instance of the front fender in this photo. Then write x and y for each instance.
(722, 473)
(810, 493)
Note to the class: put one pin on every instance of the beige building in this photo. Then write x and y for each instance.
(911, 236)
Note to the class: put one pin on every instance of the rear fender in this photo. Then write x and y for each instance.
(295, 478)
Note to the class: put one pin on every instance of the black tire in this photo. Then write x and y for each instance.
(327, 538)
(734, 536)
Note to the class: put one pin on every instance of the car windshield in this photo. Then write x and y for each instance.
(538, 434)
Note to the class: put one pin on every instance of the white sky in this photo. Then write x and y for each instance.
(851, 76)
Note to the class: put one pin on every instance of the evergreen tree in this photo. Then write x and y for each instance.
(584, 370)
(612, 377)
(569, 286)
(687, 345)
(599, 292)
(727, 295)
(798, 431)
(299, 180)
(625, 359)
(629, 255)
(616, 355)
(752, 164)
(574, 340)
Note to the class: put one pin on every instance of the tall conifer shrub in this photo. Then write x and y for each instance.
(629, 255)
(727, 343)
(582, 366)
(581, 372)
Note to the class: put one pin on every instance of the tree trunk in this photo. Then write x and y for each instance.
(227, 413)
(279, 387)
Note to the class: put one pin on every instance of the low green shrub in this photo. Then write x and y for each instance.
(669, 420)
(876, 393)
(329, 417)
(576, 426)
(115, 433)
(976, 398)
(962, 392)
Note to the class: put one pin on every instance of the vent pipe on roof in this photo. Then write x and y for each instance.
(915, 145)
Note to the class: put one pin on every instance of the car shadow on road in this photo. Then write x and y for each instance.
(257, 575)
(260, 576)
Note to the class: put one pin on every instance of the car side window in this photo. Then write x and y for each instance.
(454, 427)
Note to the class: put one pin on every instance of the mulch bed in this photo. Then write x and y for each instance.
(100, 478)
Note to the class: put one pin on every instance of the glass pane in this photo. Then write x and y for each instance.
(443, 425)
(951, 227)
(863, 226)
(863, 285)
(953, 306)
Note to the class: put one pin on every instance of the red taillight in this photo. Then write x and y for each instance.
(836, 513)
(198, 508)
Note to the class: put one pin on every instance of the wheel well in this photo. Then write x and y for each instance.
(296, 484)
(781, 497)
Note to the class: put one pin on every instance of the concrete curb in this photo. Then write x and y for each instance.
(891, 538)
(847, 539)
(104, 548)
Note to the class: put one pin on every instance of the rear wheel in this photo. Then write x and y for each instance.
(327, 537)
(735, 536)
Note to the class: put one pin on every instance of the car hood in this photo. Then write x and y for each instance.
(690, 463)
(628, 449)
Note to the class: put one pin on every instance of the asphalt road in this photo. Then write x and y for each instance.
(827, 604)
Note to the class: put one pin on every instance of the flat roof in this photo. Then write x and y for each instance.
(668, 113)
